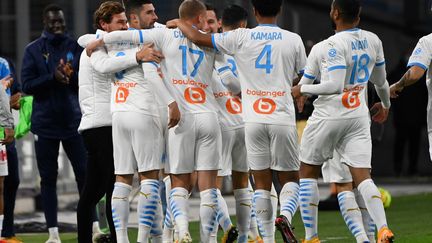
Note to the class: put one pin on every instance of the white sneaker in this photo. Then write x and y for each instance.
(186, 238)
(53, 240)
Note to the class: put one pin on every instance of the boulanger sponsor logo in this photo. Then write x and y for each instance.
(121, 95)
(122, 90)
(264, 106)
(195, 95)
(350, 98)
(189, 82)
(234, 106)
(264, 93)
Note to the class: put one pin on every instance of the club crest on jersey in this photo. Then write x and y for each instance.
(332, 52)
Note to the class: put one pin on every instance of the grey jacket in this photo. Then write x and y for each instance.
(6, 118)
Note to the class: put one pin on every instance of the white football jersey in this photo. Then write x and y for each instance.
(131, 91)
(359, 52)
(269, 59)
(422, 57)
(229, 106)
(187, 68)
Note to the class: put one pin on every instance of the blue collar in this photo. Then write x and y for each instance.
(269, 25)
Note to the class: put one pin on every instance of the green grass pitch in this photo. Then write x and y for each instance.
(410, 218)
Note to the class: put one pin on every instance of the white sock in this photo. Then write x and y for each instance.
(53, 232)
(223, 217)
(372, 198)
(352, 215)
(148, 201)
(253, 229)
(368, 223)
(309, 199)
(96, 228)
(274, 199)
(156, 232)
(120, 210)
(179, 207)
(289, 197)
(209, 209)
(264, 214)
(243, 200)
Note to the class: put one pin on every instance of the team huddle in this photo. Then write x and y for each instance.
(196, 104)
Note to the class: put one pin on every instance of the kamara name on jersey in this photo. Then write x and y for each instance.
(266, 36)
(359, 45)
(189, 82)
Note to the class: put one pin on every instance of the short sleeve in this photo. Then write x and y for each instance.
(300, 58)
(421, 55)
(228, 42)
(380, 60)
(4, 68)
(335, 57)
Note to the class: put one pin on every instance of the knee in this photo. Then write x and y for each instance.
(11, 182)
(49, 180)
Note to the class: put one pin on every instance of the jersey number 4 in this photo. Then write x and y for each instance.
(198, 62)
(266, 63)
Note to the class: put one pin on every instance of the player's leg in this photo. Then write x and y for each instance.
(259, 156)
(350, 211)
(357, 146)
(253, 235)
(97, 141)
(146, 139)
(285, 162)
(149, 207)
(372, 198)
(337, 173)
(11, 184)
(223, 217)
(309, 199)
(179, 203)
(208, 156)
(120, 205)
(181, 149)
(3, 173)
(47, 151)
(317, 146)
(240, 180)
(76, 152)
(243, 200)
(1, 200)
(124, 168)
(168, 229)
(368, 223)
